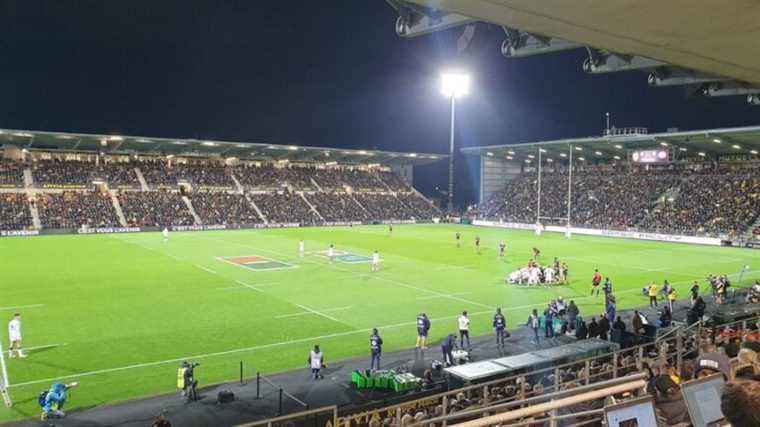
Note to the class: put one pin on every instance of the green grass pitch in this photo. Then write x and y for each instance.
(119, 312)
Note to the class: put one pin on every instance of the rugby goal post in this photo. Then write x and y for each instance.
(4, 380)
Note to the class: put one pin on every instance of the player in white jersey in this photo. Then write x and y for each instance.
(165, 233)
(375, 261)
(300, 248)
(14, 335)
(331, 253)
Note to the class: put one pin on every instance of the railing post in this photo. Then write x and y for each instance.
(279, 412)
(679, 352)
(398, 416)
(553, 422)
(614, 364)
(588, 371)
(640, 357)
(241, 372)
(445, 404)
(485, 395)
(556, 379)
(258, 385)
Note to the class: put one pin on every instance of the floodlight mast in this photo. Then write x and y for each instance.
(453, 85)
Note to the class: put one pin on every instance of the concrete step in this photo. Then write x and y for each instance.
(256, 208)
(190, 207)
(313, 209)
(143, 183)
(117, 208)
(238, 185)
(33, 209)
(28, 178)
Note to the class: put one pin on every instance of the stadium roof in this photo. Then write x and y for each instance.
(123, 144)
(712, 143)
(719, 38)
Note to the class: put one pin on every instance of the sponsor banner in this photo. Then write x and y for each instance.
(341, 223)
(197, 227)
(108, 230)
(404, 221)
(18, 233)
(607, 233)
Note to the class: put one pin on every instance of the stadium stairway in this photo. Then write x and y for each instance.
(143, 183)
(238, 185)
(351, 196)
(190, 207)
(117, 208)
(30, 194)
(28, 178)
(316, 185)
(256, 208)
(313, 209)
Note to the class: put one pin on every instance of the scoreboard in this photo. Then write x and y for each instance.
(650, 156)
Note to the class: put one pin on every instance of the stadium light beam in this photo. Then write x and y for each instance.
(453, 86)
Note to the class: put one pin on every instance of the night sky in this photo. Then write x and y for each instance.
(327, 73)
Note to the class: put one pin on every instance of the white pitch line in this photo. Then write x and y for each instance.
(16, 307)
(247, 285)
(318, 313)
(206, 269)
(304, 313)
(442, 296)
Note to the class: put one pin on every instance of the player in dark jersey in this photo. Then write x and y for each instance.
(423, 326)
(536, 253)
(376, 348)
(500, 327)
(459, 239)
(502, 248)
(390, 229)
(477, 244)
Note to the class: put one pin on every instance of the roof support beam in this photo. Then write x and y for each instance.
(729, 89)
(520, 44)
(669, 76)
(600, 62)
(415, 20)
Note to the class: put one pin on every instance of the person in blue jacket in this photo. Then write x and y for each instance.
(53, 400)
(447, 346)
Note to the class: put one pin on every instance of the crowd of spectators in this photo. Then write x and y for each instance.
(158, 174)
(11, 174)
(14, 211)
(221, 208)
(675, 201)
(118, 174)
(284, 207)
(386, 207)
(63, 173)
(393, 181)
(154, 209)
(419, 207)
(338, 207)
(74, 209)
(205, 175)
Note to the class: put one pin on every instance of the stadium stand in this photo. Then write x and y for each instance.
(204, 175)
(118, 175)
(11, 174)
(74, 209)
(14, 211)
(338, 207)
(154, 209)
(63, 173)
(284, 208)
(385, 206)
(221, 208)
(711, 202)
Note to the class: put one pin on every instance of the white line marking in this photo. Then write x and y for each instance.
(442, 296)
(21, 306)
(304, 313)
(288, 265)
(206, 269)
(248, 286)
(318, 313)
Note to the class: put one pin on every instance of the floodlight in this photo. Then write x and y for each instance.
(455, 84)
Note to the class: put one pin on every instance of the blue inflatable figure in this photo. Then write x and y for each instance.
(52, 401)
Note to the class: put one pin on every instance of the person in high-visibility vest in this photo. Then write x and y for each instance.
(672, 297)
(652, 294)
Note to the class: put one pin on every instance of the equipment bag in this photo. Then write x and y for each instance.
(225, 396)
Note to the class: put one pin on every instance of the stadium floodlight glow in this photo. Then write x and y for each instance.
(23, 134)
(412, 155)
(527, 160)
(578, 148)
(618, 146)
(598, 153)
(616, 157)
(682, 149)
(581, 158)
(511, 153)
(510, 158)
(455, 84)
(717, 140)
(362, 152)
(531, 156)
(489, 154)
(293, 148)
(562, 155)
(62, 136)
(550, 160)
(701, 154)
(753, 151)
(208, 144)
(664, 144)
(115, 138)
(737, 147)
(542, 150)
